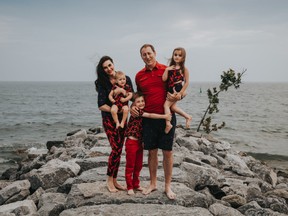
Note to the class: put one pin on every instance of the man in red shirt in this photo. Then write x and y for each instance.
(149, 82)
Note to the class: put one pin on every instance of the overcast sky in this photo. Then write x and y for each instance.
(62, 40)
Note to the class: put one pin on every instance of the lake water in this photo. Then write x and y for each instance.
(33, 113)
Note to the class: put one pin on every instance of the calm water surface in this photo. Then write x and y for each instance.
(34, 112)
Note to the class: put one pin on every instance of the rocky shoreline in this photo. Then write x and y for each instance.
(209, 178)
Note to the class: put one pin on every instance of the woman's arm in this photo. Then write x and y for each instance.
(103, 100)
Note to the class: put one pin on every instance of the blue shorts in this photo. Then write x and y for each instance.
(154, 136)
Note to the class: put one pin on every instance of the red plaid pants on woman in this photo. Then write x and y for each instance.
(116, 140)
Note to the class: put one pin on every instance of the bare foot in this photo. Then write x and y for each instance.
(139, 189)
(188, 121)
(111, 188)
(118, 186)
(149, 190)
(130, 192)
(117, 125)
(170, 194)
(122, 124)
(168, 128)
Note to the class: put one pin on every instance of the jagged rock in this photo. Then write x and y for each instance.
(52, 174)
(263, 171)
(51, 204)
(16, 191)
(187, 142)
(25, 207)
(36, 163)
(34, 152)
(234, 200)
(73, 132)
(79, 134)
(90, 163)
(235, 186)
(50, 144)
(222, 146)
(239, 166)
(185, 196)
(133, 209)
(218, 209)
(71, 179)
(262, 212)
(245, 207)
(199, 175)
(9, 174)
(36, 195)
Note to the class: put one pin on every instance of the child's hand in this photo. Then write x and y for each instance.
(119, 90)
(123, 100)
(168, 117)
(171, 67)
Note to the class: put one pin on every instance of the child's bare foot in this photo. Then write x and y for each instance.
(188, 121)
(149, 190)
(130, 192)
(122, 124)
(168, 128)
(170, 194)
(117, 125)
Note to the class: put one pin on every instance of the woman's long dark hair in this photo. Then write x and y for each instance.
(102, 77)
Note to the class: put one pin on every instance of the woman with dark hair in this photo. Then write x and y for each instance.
(104, 83)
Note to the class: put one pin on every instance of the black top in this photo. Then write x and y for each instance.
(103, 95)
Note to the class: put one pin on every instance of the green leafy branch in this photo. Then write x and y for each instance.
(228, 79)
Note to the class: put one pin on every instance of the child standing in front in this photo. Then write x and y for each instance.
(120, 102)
(175, 75)
(133, 144)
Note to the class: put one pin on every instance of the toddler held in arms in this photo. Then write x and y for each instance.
(120, 101)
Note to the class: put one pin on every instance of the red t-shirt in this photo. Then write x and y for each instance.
(153, 88)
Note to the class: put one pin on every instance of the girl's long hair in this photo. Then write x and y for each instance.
(182, 64)
(102, 76)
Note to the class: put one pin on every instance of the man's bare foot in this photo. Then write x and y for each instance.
(139, 189)
(130, 192)
(188, 121)
(149, 190)
(168, 128)
(170, 194)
